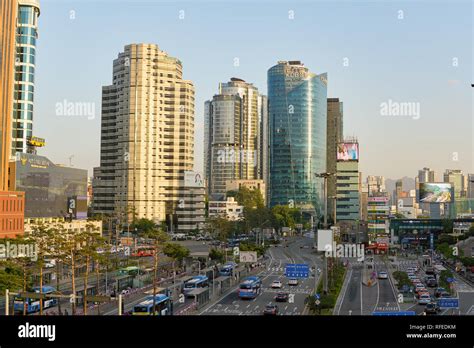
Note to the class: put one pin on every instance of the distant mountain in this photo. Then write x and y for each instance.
(407, 184)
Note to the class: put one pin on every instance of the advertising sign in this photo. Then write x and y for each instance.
(248, 256)
(348, 152)
(193, 179)
(431, 192)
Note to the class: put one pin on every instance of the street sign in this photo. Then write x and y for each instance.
(317, 296)
(98, 298)
(317, 302)
(248, 256)
(396, 314)
(296, 270)
(448, 303)
(450, 280)
(33, 295)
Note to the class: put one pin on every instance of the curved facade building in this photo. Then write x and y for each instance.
(26, 36)
(297, 106)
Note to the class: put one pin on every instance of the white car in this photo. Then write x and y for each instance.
(293, 281)
(276, 284)
(383, 275)
(424, 298)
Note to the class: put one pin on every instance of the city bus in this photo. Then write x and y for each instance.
(144, 251)
(33, 305)
(130, 270)
(196, 282)
(162, 306)
(250, 287)
(227, 269)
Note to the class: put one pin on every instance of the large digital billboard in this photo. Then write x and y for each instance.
(431, 192)
(348, 152)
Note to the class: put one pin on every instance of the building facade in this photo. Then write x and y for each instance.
(456, 178)
(378, 211)
(297, 108)
(334, 137)
(235, 137)
(47, 186)
(27, 34)
(147, 138)
(235, 185)
(8, 18)
(347, 191)
(64, 225)
(228, 208)
(12, 213)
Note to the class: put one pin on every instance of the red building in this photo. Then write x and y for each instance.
(12, 213)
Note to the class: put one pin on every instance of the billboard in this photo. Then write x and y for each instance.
(431, 192)
(248, 256)
(193, 179)
(348, 152)
(325, 240)
(77, 207)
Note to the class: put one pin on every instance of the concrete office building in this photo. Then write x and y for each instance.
(297, 108)
(147, 137)
(235, 135)
(334, 137)
(25, 65)
(455, 177)
(47, 186)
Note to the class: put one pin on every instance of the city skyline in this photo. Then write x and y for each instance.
(84, 62)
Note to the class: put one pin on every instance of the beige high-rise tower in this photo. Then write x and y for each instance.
(147, 137)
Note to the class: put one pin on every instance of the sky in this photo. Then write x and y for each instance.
(377, 55)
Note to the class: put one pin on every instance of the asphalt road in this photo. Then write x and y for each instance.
(295, 252)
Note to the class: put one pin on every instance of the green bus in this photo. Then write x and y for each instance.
(130, 270)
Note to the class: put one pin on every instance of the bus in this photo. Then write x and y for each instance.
(162, 306)
(227, 269)
(251, 287)
(196, 282)
(130, 270)
(144, 251)
(33, 305)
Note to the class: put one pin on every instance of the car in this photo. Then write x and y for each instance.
(431, 282)
(411, 276)
(412, 269)
(445, 294)
(424, 298)
(432, 308)
(293, 281)
(439, 291)
(382, 275)
(420, 288)
(276, 284)
(416, 281)
(281, 297)
(270, 309)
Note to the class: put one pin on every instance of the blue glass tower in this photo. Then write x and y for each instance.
(297, 107)
(27, 34)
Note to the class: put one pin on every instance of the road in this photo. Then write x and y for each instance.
(298, 251)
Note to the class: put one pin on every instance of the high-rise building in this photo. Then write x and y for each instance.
(235, 136)
(334, 137)
(297, 108)
(348, 182)
(426, 175)
(378, 215)
(147, 137)
(376, 184)
(8, 15)
(23, 99)
(470, 186)
(455, 177)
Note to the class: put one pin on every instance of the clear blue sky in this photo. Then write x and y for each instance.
(403, 60)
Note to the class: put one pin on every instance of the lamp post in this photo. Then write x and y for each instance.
(325, 176)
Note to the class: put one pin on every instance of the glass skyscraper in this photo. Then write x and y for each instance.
(297, 107)
(26, 36)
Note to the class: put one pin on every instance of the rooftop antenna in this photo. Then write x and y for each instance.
(70, 160)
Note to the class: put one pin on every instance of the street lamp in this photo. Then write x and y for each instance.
(325, 176)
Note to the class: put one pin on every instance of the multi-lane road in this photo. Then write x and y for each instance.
(294, 251)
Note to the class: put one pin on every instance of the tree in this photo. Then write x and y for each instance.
(177, 252)
(159, 237)
(448, 225)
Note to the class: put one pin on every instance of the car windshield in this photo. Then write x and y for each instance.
(270, 307)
